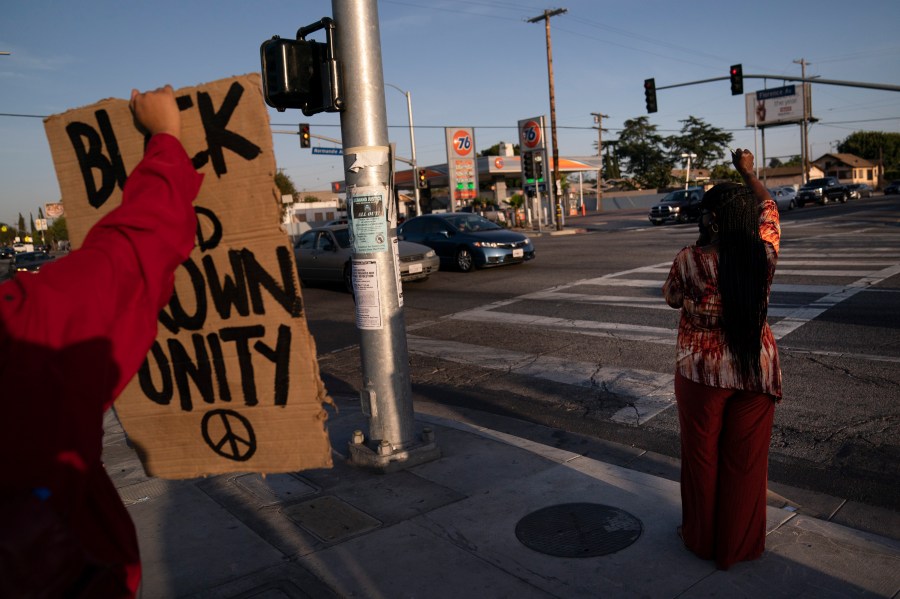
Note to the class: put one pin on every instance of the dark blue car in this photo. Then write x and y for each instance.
(467, 241)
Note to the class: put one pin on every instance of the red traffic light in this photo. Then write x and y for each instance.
(650, 94)
(737, 79)
(305, 137)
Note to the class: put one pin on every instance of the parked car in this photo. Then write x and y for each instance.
(29, 262)
(784, 197)
(821, 191)
(678, 206)
(467, 241)
(859, 191)
(492, 212)
(324, 255)
(892, 188)
(7, 252)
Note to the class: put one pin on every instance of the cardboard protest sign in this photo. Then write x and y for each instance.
(231, 383)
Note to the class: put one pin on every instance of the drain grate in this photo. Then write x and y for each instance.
(331, 519)
(578, 530)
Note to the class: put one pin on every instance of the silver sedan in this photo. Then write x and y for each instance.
(324, 255)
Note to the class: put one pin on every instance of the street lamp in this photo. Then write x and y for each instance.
(687, 176)
(412, 143)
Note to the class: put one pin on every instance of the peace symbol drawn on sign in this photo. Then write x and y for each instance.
(231, 442)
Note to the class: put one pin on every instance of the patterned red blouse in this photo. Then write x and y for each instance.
(702, 354)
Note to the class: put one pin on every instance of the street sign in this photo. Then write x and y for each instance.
(329, 151)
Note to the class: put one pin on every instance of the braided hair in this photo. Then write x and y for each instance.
(742, 274)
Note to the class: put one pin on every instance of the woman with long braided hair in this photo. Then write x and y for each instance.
(727, 378)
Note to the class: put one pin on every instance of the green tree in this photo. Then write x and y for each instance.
(642, 153)
(517, 203)
(494, 150)
(709, 143)
(875, 146)
(285, 184)
(21, 226)
(724, 172)
(611, 168)
(58, 231)
(7, 234)
(775, 163)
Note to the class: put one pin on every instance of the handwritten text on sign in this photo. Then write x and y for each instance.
(231, 382)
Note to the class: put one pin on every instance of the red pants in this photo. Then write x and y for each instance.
(725, 437)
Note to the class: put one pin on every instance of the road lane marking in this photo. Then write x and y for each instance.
(614, 330)
(804, 314)
(651, 392)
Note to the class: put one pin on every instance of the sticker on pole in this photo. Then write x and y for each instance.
(365, 293)
(368, 221)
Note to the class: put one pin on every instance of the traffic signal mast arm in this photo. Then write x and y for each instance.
(322, 137)
(881, 86)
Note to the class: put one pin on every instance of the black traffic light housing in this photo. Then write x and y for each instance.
(737, 79)
(538, 166)
(305, 137)
(528, 166)
(421, 178)
(302, 74)
(650, 94)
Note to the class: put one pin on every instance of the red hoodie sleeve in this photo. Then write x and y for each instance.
(115, 284)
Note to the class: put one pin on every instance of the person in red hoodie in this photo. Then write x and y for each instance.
(71, 337)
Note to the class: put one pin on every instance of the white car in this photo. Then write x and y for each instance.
(492, 212)
(785, 197)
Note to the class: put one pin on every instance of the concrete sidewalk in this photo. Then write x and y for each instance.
(452, 528)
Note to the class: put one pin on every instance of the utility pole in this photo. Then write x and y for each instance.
(598, 118)
(386, 396)
(804, 131)
(553, 192)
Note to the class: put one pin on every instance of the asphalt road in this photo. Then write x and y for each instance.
(580, 340)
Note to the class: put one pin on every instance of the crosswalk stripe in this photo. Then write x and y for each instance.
(786, 271)
(652, 392)
(631, 332)
(804, 314)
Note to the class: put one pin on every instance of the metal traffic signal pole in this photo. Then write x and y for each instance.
(386, 396)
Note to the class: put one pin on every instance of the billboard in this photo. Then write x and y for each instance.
(778, 106)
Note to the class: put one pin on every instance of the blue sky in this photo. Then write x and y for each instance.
(470, 63)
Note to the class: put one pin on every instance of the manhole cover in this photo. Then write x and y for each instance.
(578, 530)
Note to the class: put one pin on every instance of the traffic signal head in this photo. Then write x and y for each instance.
(304, 135)
(650, 94)
(538, 166)
(737, 79)
(528, 167)
(421, 178)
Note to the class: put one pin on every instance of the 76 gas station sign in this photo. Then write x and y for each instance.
(462, 171)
